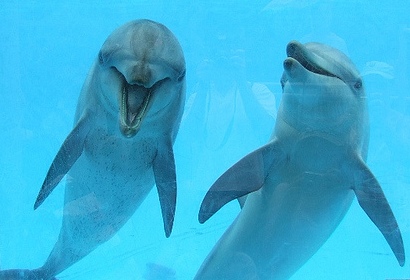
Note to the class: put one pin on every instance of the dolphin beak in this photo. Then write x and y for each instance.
(134, 103)
(307, 59)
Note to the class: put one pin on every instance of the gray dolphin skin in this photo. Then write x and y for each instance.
(300, 185)
(126, 121)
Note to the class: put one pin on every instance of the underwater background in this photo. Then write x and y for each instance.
(47, 49)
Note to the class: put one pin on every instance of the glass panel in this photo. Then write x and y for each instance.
(310, 191)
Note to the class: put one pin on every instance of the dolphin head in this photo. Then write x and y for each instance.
(322, 92)
(142, 70)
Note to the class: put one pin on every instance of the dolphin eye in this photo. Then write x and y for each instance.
(181, 77)
(101, 57)
(358, 85)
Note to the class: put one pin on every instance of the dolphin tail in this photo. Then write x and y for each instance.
(246, 176)
(68, 154)
(23, 274)
(165, 180)
(372, 200)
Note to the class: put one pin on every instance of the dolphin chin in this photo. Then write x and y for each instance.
(126, 121)
(300, 185)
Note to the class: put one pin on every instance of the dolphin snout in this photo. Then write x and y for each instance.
(294, 69)
(293, 48)
(288, 64)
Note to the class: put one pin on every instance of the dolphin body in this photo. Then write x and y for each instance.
(126, 121)
(300, 185)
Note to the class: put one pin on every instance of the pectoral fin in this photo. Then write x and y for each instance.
(242, 200)
(372, 200)
(68, 154)
(165, 180)
(246, 176)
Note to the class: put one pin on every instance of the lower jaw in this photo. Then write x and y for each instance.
(130, 129)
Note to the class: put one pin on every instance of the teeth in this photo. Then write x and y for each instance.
(307, 62)
(130, 121)
(317, 69)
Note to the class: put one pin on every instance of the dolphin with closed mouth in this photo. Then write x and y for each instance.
(126, 121)
(299, 186)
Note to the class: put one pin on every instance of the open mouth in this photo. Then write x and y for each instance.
(133, 107)
(307, 59)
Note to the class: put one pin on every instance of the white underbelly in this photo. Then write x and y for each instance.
(280, 228)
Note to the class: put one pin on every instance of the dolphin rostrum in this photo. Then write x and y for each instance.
(300, 185)
(126, 121)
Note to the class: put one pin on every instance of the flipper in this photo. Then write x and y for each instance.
(246, 176)
(372, 200)
(165, 180)
(242, 200)
(68, 154)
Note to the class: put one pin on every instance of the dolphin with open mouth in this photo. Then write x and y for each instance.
(299, 186)
(126, 121)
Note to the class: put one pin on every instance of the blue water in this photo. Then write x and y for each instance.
(47, 48)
